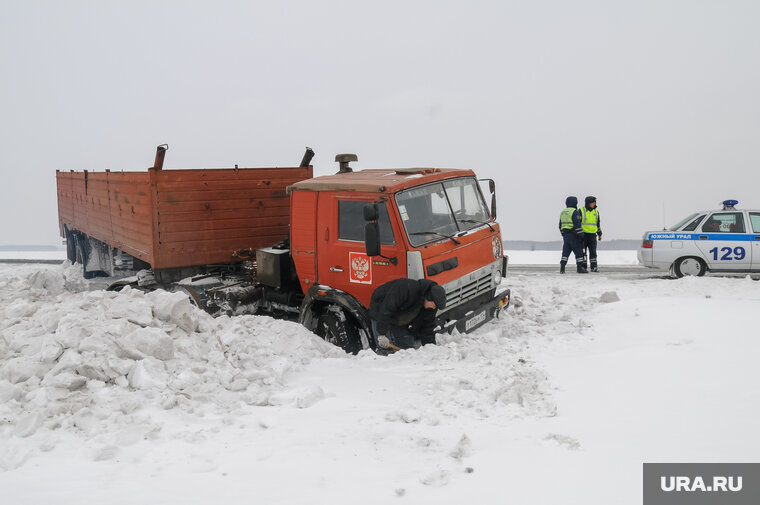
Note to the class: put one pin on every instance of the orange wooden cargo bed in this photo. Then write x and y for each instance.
(179, 218)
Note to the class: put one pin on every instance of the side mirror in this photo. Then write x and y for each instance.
(371, 237)
(370, 212)
(492, 190)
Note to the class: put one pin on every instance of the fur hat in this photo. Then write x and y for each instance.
(438, 295)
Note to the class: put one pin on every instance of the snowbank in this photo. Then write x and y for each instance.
(95, 363)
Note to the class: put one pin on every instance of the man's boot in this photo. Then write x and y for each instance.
(562, 268)
(582, 268)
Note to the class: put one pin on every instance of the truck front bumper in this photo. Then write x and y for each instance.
(474, 313)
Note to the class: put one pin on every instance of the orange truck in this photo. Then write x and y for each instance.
(281, 242)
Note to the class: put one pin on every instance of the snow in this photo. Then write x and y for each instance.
(125, 397)
(33, 255)
(605, 257)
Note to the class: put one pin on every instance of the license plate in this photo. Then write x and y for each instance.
(475, 320)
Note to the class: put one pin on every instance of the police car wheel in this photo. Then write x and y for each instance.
(689, 266)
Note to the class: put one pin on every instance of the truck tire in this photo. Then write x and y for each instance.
(339, 330)
(689, 265)
(71, 247)
(81, 258)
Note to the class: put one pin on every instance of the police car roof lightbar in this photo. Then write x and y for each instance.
(729, 204)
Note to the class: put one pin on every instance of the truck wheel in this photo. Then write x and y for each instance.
(71, 247)
(339, 330)
(689, 265)
(81, 258)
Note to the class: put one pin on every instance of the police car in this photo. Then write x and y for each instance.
(726, 240)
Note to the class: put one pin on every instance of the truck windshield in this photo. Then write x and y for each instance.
(682, 222)
(441, 209)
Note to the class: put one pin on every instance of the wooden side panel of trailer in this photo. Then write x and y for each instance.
(180, 218)
(131, 214)
(203, 216)
(113, 207)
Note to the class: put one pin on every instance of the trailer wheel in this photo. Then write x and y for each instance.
(81, 258)
(339, 330)
(71, 248)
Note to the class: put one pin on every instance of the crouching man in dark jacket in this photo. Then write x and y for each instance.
(403, 310)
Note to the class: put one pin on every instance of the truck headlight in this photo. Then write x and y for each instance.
(497, 277)
(496, 246)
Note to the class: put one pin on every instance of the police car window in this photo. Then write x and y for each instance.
(754, 218)
(351, 222)
(724, 222)
(693, 225)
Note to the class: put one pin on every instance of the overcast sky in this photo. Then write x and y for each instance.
(651, 106)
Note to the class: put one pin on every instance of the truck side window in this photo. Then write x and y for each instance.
(754, 218)
(351, 222)
(724, 222)
(693, 225)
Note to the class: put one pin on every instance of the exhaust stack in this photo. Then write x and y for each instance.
(160, 153)
(307, 156)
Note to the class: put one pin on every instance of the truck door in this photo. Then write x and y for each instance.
(724, 241)
(754, 218)
(341, 259)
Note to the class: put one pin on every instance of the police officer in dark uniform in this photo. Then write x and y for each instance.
(572, 235)
(592, 228)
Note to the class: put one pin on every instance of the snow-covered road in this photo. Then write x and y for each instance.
(128, 398)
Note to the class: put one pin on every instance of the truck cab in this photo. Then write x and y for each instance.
(354, 231)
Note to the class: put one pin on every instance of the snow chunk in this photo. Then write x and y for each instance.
(463, 448)
(438, 478)
(67, 362)
(147, 374)
(609, 297)
(7, 391)
(27, 424)
(65, 380)
(21, 308)
(131, 305)
(50, 282)
(147, 342)
(93, 372)
(174, 308)
(20, 369)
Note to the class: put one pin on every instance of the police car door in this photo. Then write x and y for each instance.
(724, 243)
(754, 218)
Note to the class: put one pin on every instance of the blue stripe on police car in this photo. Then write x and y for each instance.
(702, 236)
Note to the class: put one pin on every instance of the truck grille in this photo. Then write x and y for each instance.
(468, 290)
